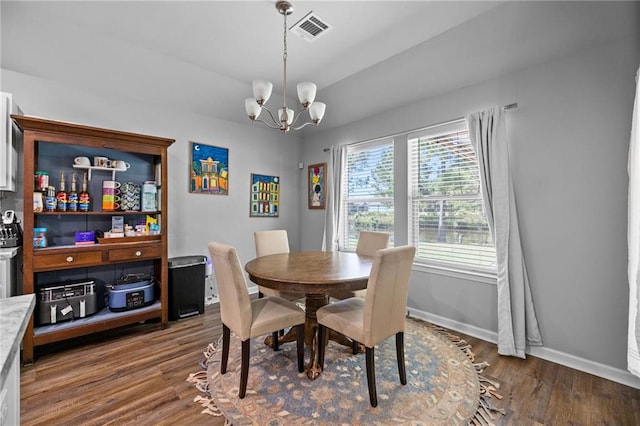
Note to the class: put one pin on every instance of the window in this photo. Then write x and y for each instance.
(367, 188)
(447, 222)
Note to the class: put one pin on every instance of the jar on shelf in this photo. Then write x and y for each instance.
(39, 237)
(149, 200)
(41, 182)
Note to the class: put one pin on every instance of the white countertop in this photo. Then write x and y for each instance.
(14, 317)
(8, 253)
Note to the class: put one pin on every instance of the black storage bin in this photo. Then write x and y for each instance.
(186, 286)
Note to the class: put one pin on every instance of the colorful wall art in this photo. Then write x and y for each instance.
(317, 185)
(265, 196)
(209, 172)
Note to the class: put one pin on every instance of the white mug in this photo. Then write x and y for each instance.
(82, 161)
(120, 164)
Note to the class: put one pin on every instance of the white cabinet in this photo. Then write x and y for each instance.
(9, 138)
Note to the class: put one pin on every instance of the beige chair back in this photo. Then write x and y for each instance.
(235, 304)
(369, 242)
(387, 289)
(271, 242)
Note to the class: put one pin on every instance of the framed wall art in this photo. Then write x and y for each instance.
(209, 172)
(316, 188)
(265, 196)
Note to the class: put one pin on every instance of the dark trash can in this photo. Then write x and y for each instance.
(186, 286)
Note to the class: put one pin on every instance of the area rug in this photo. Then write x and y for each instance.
(444, 385)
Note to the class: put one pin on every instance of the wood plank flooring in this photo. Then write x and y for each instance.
(137, 375)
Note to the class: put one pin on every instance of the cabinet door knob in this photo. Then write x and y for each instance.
(138, 253)
(69, 259)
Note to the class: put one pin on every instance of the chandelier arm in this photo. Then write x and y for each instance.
(267, 124)
(304, 125)
(297, 116)
(275, 122)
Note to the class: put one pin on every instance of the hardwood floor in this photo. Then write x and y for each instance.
(137, 375)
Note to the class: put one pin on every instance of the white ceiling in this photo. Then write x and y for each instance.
(201, 56)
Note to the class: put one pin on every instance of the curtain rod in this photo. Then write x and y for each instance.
(513, 105)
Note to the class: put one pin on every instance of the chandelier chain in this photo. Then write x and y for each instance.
(284, 58)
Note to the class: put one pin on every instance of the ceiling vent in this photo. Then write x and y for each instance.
(311, 27)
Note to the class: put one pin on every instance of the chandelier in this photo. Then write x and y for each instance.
(306, 93)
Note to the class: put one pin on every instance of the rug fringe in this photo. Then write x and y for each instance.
(199, 380)
(484, 413)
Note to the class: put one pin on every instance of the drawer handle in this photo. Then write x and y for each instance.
(69, 259)
(138, 253)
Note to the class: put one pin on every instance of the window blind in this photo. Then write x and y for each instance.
(367, 186)
(447, 221)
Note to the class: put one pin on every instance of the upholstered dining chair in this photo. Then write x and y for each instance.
(249, 318)
(273, 242)
(380, 315)
(368, 243)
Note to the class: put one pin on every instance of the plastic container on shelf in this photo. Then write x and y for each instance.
(149, 192)
(39, 237)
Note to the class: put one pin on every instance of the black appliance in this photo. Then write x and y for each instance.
(66, 300)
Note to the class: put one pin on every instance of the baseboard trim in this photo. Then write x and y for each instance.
(597, 369)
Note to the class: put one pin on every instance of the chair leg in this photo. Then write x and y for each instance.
(226, 333)
(275, 340)
(322, 333)
(300, 346)
(400, 356)
(371, 376)
(244, 368)
(354, 347)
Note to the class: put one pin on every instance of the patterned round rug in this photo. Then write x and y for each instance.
(443, 385)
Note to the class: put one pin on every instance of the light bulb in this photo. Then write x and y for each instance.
(316, 111)
(262, 91)
(252, 108)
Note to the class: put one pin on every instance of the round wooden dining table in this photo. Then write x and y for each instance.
(316, 274)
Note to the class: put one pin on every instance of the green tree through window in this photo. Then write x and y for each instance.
(447, 218)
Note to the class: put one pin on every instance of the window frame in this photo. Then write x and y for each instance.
(460, 270)
(343, 240)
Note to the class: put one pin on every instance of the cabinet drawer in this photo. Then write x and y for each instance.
(135, 253)
(67, 260)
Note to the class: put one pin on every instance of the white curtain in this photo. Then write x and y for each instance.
(330, 239)
(633, 238)
(517, 323)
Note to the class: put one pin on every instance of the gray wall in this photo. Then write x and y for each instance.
(194, 219)
(569, 140)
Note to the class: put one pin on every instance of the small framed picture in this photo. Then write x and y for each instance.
(265, 196)
(316, 190)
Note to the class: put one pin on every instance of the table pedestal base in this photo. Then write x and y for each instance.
(312, 303)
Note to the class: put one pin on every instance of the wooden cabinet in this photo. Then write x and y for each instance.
(52, 146)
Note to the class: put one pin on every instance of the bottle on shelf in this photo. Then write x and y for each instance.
(50, 203)
(62, 197)
(73, 195)
(84, 198)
